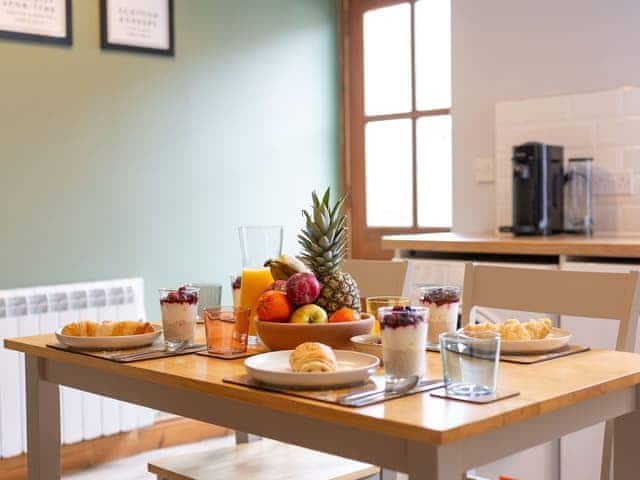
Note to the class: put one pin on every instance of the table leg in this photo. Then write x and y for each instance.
(434, 463)
(243, 437)
(43, 423)
(626, 461)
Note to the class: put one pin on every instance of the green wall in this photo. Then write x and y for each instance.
(117, 164)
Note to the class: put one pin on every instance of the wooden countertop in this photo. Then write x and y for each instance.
(543, 387)
(507, 244)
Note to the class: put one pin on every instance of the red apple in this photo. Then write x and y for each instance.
(303, 288)
(279, 285)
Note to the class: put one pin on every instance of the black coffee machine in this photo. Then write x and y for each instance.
(538, 184)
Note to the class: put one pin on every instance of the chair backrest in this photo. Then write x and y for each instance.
(611, 296)
(378, 277)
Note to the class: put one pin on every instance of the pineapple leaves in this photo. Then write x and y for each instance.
(325, 197)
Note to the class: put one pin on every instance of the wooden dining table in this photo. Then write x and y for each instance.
(427, 437)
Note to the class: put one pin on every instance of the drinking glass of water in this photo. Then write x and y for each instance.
(470, 363)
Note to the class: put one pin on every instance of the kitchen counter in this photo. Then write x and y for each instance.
(506, 244)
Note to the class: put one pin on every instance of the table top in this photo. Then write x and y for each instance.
(507, 244)
(543, 387)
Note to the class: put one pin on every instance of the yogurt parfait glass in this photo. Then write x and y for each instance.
(403, 330)
(443, 303)
(179, 310)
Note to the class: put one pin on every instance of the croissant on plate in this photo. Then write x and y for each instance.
(90, 328)
(313, 357)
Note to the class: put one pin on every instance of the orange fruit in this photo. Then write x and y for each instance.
(274, 306)
(345, 314)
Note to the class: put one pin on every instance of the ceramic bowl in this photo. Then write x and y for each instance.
(368, 344)
(287, 336)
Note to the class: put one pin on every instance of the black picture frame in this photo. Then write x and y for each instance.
(104, 43)
(31, 37)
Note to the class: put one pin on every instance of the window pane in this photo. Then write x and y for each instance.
(388, 167)
(387, 60)
(433, 54)
(434, 171)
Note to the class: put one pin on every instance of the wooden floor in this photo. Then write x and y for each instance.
(135, 468)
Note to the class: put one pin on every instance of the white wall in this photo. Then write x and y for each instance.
(603, 125)
(517, 49)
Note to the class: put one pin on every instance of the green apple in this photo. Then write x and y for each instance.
(310, 314)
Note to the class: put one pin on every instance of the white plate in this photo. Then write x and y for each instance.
(110, 343)
(273, 368)
(556, 339)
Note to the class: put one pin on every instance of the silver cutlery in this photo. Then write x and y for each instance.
(392, 388)
(138, 355)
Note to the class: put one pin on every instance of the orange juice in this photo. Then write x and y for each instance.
(254, 282)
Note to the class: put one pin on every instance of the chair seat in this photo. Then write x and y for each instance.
(263, 459)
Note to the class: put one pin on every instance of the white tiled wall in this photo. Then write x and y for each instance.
(604, 125)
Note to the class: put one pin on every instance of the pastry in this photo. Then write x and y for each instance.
(512, 329)
(106, 329)
(538, 329)
(481, 327)
(312, 357)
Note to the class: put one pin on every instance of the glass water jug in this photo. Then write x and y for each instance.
(578, 203)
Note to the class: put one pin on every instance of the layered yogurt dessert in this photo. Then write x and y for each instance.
(179, 314)
(403, 333)
(443, 304)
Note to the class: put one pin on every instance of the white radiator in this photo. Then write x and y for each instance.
(30, 311)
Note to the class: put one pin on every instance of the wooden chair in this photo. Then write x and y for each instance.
(378, 277)
(578, 294)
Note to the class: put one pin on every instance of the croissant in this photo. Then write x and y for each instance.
(312, 357)
(90, 328)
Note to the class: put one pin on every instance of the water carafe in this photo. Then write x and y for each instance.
(578, 205)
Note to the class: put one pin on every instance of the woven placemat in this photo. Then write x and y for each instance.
(376, 382)
(113, 355)
(528, 359)
(499, 395)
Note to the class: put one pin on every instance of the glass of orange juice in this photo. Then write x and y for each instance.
(258, 244)
(374, 303)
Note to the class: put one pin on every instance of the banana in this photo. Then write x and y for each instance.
(284, 266)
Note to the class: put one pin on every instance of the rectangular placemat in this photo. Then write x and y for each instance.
(113, 355)
(528, 359)
(543, 357)
(499, 395)
(252, 350)
(375, 383)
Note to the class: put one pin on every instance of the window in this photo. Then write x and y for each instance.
(398, 116)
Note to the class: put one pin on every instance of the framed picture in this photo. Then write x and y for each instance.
(47, 21)
(137, 25)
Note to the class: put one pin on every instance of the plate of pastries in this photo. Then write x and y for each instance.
(535, 336)
(312, 365)
(107, 335)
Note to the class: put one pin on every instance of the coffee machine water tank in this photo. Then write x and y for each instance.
(538, 184)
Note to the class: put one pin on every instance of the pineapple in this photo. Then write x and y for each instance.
(324, 244)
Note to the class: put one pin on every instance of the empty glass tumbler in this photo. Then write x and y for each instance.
(470, 363)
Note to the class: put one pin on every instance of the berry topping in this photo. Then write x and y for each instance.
(402, 316)
(236, 283)
(440, 295)
(181, 295)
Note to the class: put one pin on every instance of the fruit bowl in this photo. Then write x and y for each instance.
(287, 336)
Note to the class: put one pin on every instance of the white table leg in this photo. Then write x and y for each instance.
(434, 463)
(43, 423)
(626, 461)
(243, 437)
